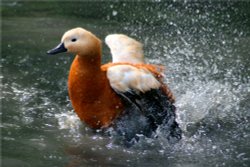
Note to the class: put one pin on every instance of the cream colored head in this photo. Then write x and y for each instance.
(125, 49)
(78, 41)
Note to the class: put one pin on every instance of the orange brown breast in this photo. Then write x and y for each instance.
(94, 102)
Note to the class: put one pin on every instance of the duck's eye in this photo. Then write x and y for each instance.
(73, 40)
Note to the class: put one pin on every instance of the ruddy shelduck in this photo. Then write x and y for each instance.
(129, 96)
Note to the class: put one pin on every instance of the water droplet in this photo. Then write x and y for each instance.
(114, 13)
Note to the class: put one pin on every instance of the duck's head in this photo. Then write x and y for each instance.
(78, 41)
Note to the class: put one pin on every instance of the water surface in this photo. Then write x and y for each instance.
(205, 47)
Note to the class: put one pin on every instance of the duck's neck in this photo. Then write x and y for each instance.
(90, 61)
(86, 78)
(88, 65)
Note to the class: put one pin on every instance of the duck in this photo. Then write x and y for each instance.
(128, 96)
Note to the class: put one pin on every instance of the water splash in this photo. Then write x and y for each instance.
(204, 98)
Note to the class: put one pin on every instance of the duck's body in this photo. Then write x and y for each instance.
(129, 96)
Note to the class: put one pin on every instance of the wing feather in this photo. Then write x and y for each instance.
(124, 78)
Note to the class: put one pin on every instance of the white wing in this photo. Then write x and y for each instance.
(125, 49)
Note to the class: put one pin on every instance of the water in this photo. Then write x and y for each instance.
(204, 46)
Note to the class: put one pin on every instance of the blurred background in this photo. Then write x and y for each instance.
(204, 46)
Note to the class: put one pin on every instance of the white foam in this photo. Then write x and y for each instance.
(68, 120)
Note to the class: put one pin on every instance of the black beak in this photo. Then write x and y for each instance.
(58, 49)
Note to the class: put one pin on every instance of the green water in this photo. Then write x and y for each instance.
(205, 47)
